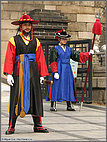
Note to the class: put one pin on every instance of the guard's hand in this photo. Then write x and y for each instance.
(41, 80)
(10, 79)
(56, 75)
(91, 52)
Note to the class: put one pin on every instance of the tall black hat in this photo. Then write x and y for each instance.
(61, 34)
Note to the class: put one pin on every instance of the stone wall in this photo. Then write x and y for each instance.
(99, 85)
(81, 16)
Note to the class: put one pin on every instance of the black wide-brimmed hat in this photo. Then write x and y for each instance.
(61, 34)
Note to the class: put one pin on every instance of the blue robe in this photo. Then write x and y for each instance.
(62, 89)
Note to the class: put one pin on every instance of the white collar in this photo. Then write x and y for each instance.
(62, 47)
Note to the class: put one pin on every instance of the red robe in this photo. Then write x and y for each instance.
(10, 58)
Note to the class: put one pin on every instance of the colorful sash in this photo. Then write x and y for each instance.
(24, 81)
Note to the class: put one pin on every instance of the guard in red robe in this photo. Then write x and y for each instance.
(63, 83)
(25, 68)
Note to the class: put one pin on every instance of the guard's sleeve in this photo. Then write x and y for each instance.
(53, 60)
(80, 57)
(10, 57)
(40, 59)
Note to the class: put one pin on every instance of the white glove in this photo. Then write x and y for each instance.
(10, 79)
(91, 52)
(41, 80)
(56, 75)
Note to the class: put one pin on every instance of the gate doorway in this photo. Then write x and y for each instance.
(82, 46)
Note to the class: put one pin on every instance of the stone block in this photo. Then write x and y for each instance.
(99, 82)
(87, 10)
(68, 9)
(71, 17)
(2, 63)
(74, 26)
(2, 7)
(67, 3)
(74, 35)
(85, 35)
(103, 20)
(100, 3)
(76, 3)
(89, 27)
(21, 7)
(3, 47)
(5, 15)
(15, 15)
(2, 68)
(4, 35)
(99, 72)
(6, 24)
(87, 3)
(85, 18)
(38, 2)
(7, 34)
(98, 96)
(76, 9)
(2, 59)
(52, 2)
(50, 7)
(13, 7)
(32, 7)
(21, 2)
(94, 82)
(102, 82)
(4, 2)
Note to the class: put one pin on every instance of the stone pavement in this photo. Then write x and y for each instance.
(89, 124)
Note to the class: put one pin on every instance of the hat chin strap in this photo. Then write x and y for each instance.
(63, 44)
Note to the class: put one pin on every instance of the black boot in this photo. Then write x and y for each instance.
(38, 125)
(11, 127)
(52, 107)
(69, 108)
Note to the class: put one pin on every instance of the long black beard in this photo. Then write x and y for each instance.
(26, 33)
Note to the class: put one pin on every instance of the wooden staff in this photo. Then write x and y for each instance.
(97, 31)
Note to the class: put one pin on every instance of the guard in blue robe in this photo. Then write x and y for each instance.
(63, 82)
(62, 89)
